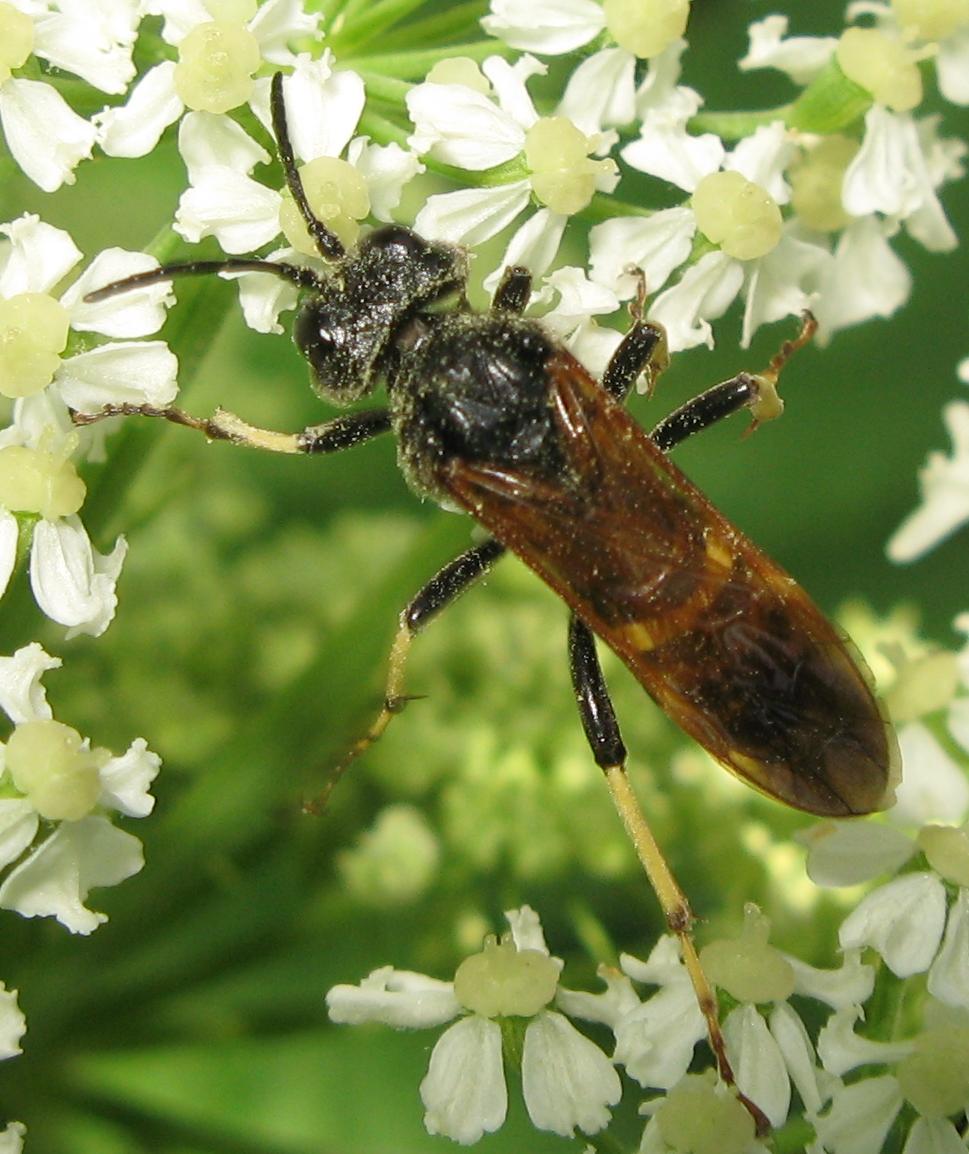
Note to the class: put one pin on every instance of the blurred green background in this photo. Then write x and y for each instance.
(256, 608)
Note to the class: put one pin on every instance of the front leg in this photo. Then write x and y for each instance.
(330, 437)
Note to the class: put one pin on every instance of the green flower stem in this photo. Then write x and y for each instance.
(740, 124)
(455, 22)
(383, 131)
(364, 23)
(379, 86)
(415, 65)
(830, 103)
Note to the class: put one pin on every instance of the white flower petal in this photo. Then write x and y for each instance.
(462, 127)
(860, 1116)
(12, 1138)
(38, 256)
(952, 66)
(934, 786)
(795, 1046)
(134, 313)
(656, 1041)
(656, 244)
(849, 985)
(22, 697)
(846, 853)
(277, 23)
(9, 536)
(80, 43)
(662, 967)
(841, 1049)
(13, 1024)
(464, 1090)
(578, 299)
(264, 296)
(763, 157)
(902, 920)
(933, 1136)
(135, 127)
(944, 482)
(73, 583)
(758, 1063)
(471, 216)
(567, 1081)
(534, 245)
(397, 998)
(610, 1007)
(865, 280)
(240, 213)
(45, 136)
(549, 27)
(781, 284)
(801, 57)
(510, 84)
(387, 169)
(323, 108)
(526, 929)
(593, 345)
(136, 372)
(56, 878)
(18, 828)
(705, 293)
(601, 91)
(949, 974)
(125, 780)
(671, 153)
(206, 140)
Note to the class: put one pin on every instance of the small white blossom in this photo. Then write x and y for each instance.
(50, 774)
(13, 1024)
(944, 482)
(221, 82)
(568, 1083)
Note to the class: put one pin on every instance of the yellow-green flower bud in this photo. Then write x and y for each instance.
(747, 967)
(737, 214)
(33, 334)
(816, 182)
(935, 1077)
(16, 39)
(215, 66)
(49, 764)
(946, 849)
(563, 175)
(35, 481)
(338, 196)
(646, 27)
(503, 981)
(931, 19)
(697, 1118)
(232, 11)
(881, 65)
(459, 70)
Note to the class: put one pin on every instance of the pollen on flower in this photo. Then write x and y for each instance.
(931, 19)
(935, 1077)
(50, 764)
(215, 66)
(646, 27)
(338, 196)
(33, 334)
(503, 981)
(16, 39)
(36, 481)
(737, 214)
(747, 967)
(884, 66)
(699, 1118)
(816, 182)
(459, 70)
(946, 849)
(563, 175)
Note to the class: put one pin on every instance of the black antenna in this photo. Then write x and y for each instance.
(327, 242)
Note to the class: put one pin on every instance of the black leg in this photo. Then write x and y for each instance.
(642, 350)
(330, 437)
(754, 391)
(443, 589)
(513, 291)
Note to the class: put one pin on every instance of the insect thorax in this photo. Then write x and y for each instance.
(473, 387)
